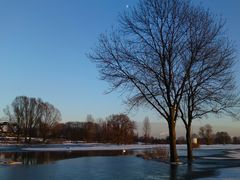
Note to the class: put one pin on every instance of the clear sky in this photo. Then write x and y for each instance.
(43, 46)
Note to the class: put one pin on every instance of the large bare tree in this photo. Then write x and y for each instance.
(149, 56)
(210, 84)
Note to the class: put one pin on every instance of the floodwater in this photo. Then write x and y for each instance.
(109, 165)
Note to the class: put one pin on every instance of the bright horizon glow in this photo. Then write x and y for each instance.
(43, 54)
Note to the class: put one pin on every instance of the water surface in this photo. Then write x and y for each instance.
(109, 165)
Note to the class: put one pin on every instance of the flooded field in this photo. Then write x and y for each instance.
(114, 164)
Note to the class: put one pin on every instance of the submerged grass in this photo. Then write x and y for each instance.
(155, 154)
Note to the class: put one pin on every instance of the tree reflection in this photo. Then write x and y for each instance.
(173, 171)
(32, 158)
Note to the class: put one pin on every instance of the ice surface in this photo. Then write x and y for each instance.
(96, 147)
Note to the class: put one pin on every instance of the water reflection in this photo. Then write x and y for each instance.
(102, 167)
(32, 158)
(173, 172)
(188, 171)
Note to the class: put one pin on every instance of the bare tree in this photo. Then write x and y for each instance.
(14, 118)
(210, 84)
(120, 129)
(206, 133)
(32, 114)
(171, 56)
(90, 128)
(236, 140)
(146, 129)
(50, 117)
(9, 116)
(27, 112)
(74, 131)
(222, 138)
(150, 57)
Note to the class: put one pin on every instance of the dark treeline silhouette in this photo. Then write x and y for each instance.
(31, 117)
(146, 130)
(117, 129)
(219, 138)
(207, 136)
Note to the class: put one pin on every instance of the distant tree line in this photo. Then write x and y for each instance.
(207, 136)
(117, 129)
(29, 118)
(218, 138)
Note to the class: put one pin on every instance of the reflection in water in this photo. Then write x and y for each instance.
(32, 158)
(173, 172)
(107, 168)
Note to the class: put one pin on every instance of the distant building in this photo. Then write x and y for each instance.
(8, 128)
(4, 127)
(195, 141)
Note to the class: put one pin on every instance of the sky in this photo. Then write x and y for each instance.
(43, 47)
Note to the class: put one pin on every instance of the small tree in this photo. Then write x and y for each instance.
(206, 133)
(50, 117)
(121, 129)
(222, 138)
(236, 140)
(90, 129)
(146, 129)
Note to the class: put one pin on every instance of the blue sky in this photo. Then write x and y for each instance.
(43, 46)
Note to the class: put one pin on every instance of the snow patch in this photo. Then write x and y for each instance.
(234, 154)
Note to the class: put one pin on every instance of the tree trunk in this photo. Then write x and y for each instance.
(189, 143)
(172, 138)
(44, 137)
(18, 136)
(25, 135)
(29, 135)
(29, 139)
(173, 172)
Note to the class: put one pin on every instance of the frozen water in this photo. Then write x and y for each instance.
(212, 162)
